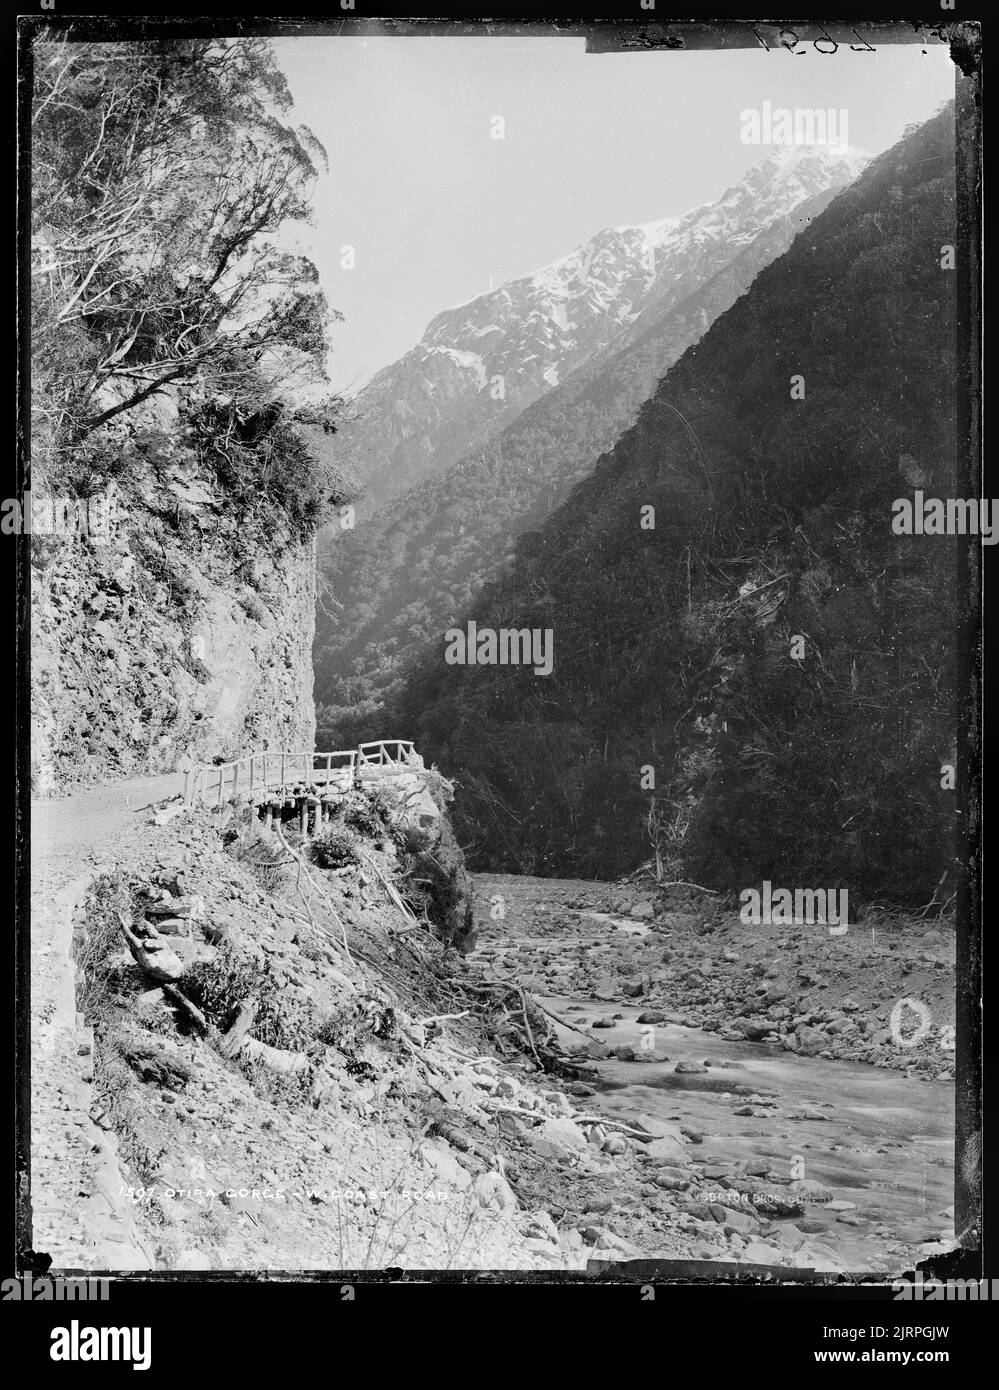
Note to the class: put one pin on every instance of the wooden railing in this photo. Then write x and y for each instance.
(380, 754)
(262, 772)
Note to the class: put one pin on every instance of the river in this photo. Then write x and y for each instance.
(875, 1144)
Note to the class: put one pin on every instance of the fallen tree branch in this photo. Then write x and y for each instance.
(232, 1040)
(274, 1058)
(564, 1021)
(390, 888)
(609, 1123)
(425, 1061)
(467, 1056)
(142, 956)
(531, 1116)
(325, 898)
(510, 988)
(527, 1025)
(193, 1013)
(933, 900)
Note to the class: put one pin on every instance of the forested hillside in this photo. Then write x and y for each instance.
(414, 564)
(778, 656)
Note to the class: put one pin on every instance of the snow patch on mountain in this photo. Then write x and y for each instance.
(468, 360)
(537, 329)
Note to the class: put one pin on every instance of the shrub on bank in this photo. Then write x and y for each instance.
(335, 848)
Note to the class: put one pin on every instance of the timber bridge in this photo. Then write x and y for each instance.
(311, 783)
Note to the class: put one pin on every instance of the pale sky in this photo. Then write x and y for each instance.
(434, 207)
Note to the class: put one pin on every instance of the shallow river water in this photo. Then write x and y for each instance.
(877, 1139)
(878, 1142)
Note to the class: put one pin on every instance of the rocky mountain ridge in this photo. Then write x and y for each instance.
(409, 571)
(479, 364)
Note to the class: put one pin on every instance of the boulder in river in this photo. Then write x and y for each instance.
(671, 1181)
(557, 1138)
(740, 1222)
(667, 1150)
(810, 1040)
(658, 1129)
(756, 1029)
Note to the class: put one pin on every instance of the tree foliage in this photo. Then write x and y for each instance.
(408, 571)
(162, 176)
(677, 647)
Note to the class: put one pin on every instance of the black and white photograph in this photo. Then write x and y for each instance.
(501, 532)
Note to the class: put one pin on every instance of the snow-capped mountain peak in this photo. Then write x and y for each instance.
(479, 364)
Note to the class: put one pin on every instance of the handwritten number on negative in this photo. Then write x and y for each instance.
(824, 37)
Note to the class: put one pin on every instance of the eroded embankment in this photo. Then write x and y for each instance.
(294, 1073)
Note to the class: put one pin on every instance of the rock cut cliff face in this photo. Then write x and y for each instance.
(183, 636)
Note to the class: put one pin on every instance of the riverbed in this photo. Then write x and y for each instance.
(873, 1147)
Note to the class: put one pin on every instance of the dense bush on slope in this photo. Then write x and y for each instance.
(669, 650)
(161, 175)
(410, 568)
